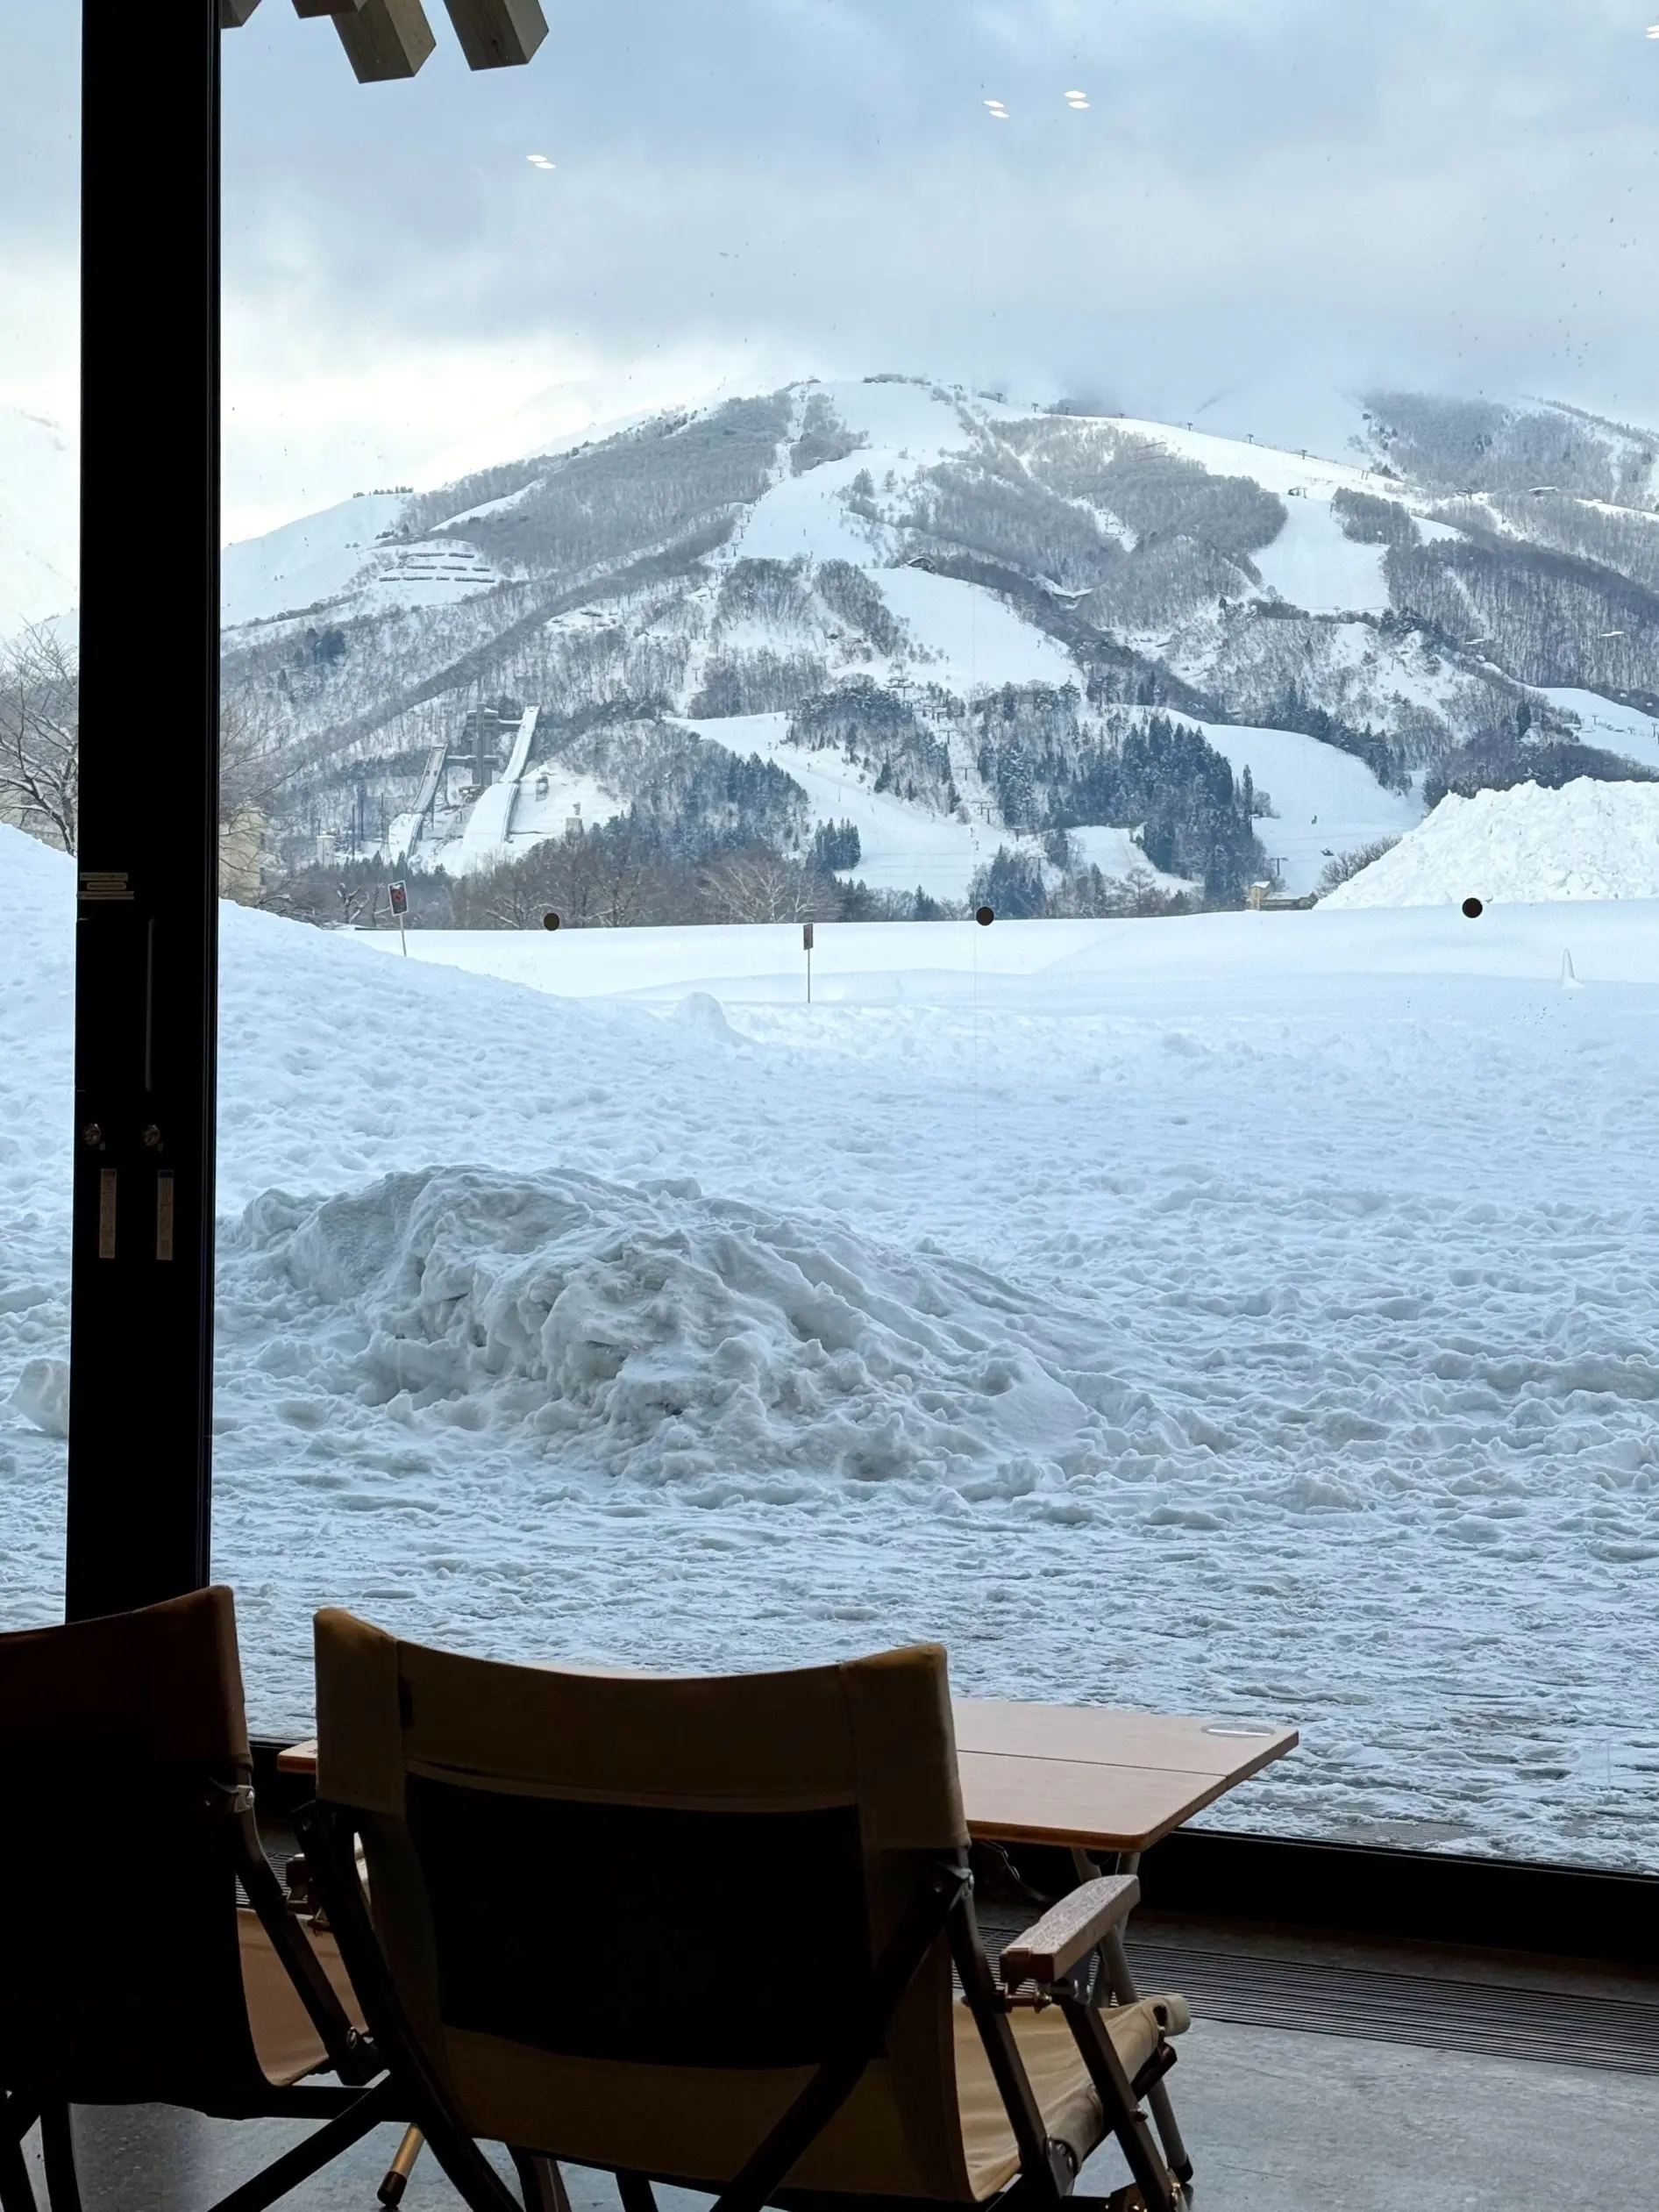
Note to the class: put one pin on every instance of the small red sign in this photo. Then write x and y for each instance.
(400, 898)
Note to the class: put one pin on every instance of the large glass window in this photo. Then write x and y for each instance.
(1063, 611)
(39, 324)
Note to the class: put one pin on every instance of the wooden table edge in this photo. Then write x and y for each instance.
(1284, 1741)
(1008, 1831)
(301, 1759)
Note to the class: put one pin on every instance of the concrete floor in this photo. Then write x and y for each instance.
(1276, 2122)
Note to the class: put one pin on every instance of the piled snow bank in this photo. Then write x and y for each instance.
(651, 1333)
(1587, 841)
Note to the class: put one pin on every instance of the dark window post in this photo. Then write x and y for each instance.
(147, 968)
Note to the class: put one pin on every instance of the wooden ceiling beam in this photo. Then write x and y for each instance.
(389, 39)
(497, 34)
(385, 38)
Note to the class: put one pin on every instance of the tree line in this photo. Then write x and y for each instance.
(1049, 773)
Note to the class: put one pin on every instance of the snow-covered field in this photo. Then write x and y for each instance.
(1251, 1314)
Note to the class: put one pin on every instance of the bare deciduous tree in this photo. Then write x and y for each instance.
(251, 767)
(758, 885)
(255, 771)
(591, 879)
(40, 749)
(1343, 867)
(40, 735)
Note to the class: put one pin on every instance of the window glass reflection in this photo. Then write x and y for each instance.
(940, 784)
(866, 471)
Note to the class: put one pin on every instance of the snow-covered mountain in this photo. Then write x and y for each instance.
(958, 625)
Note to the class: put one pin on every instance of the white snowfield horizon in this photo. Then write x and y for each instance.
(1252, 1315)
(946, 963)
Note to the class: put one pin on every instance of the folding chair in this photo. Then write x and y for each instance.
(128, 1973)
(702, 1931)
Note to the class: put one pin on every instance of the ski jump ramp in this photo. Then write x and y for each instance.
(491, 823)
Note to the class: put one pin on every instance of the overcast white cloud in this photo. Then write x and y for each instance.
(1262, 197)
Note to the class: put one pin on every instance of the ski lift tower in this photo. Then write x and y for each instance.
(146, 958)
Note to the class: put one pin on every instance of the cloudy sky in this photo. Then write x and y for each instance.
(1264, 203)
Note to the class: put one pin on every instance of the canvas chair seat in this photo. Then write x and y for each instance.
(1067, 2099)
(526, 2097)
(286, 2043)
(699, 1929)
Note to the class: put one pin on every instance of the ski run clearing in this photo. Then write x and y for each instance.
(1249, 1314)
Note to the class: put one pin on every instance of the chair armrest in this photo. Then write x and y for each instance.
(1070, 1930)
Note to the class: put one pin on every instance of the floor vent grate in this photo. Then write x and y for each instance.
(1564, 2028)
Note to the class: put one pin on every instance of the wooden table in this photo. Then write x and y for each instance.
(1080, 1776)
(1097, 1780)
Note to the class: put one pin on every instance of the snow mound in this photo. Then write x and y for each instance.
(42, 1396)
(649, 1333)
(1587, 841)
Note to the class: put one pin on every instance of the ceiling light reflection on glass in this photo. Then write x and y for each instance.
(540, 161)
(996, 109)
(1079, 101)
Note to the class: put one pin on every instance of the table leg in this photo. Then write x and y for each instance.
(1114, 1970)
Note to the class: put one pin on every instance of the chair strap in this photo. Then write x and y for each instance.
(920, 1927)
(275, 2181)
(989, 2006)
(329, 1834)
(18, 2115)
(57, 2155)
(352, 2055)
(1118, 2100)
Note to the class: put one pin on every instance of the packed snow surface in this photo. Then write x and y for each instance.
(900, 847)
(1587, 841)
(1606, 722)
(301, 562)
(1313, 564)
(1325, 801)
(974, 639)
(1252, 1315)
